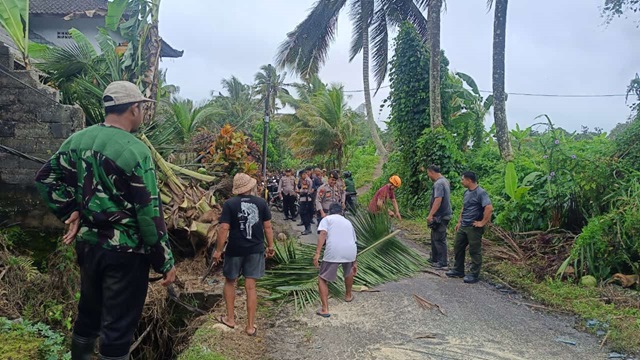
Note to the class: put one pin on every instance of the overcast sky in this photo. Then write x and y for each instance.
(553, 47)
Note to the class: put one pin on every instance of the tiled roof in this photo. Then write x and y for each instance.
(65, 7)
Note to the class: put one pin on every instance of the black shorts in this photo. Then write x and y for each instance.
(250, 266)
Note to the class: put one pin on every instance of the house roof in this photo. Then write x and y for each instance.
(65, 7)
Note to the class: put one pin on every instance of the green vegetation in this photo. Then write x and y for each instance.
(587, 302)
(203, 346)
(362, 164)
(26, 340)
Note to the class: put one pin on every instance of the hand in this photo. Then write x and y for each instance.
(316, 261)
(430, 219)
(391, 213)
(398, 216)
(271, 252)
(322, 214)
(479, 224)
(73, 225)
(217, 255)
(169, 277)
(457, 227)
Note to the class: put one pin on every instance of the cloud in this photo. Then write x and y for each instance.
(553, 47)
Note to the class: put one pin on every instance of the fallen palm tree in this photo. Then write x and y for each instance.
(381, 258)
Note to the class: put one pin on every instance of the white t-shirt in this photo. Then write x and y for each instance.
(341, 239)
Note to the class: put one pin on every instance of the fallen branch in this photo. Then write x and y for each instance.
(541, 307)
(605, 339)
(427, 336)
(432, 272)
(426, 304)
(139, 340)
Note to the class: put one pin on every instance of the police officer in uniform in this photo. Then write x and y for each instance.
(287, 189)
(330, 193)
(306, 193)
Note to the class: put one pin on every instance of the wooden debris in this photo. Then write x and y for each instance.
(432, 272)
(604, 340)
(427, 336)
(427, 305)
(626, 281)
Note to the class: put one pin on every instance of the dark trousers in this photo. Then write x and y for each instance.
(112, 294)
(288, 203)
(472, 237)
(306, 213)
(439, 243)
(350, 202)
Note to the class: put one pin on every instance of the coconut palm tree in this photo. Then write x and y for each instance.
(269, 85)
(238, 106)
(499, 107)
(323, 126)
(435, 99)
(306, 47)
(189, 116)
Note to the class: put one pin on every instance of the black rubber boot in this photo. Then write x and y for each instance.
(82, 348)
(307, 230)
(125, 357)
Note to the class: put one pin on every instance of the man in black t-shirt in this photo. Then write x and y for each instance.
(246, 219)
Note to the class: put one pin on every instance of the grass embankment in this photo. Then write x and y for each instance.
(621, 322)
(363, 165)
(617, 311)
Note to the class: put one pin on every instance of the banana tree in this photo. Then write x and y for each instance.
(14, 18)
(140, 29)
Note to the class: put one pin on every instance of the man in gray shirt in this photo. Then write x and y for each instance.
(439, 216)
(475, 215)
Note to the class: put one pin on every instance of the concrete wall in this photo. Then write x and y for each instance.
(33, 122)
(49, 26)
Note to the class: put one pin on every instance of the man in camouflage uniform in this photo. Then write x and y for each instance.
(102, 184)
(329, 193)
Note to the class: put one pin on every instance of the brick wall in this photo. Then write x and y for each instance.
(32, 122)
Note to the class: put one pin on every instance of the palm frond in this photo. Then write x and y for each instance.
(306, 47)
(361, 15)
(380, 47)
(381, 258)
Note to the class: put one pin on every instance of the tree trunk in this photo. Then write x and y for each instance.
(382, 151)
(265, 135)
(499, 106)
(152, 46)
(433, 24)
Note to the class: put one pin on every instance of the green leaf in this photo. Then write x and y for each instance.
(115, 11)
(510, 180)
(488, 103)
(531, 178)
(470, 82)
(521, 192)
(13, 14)
(38, 51)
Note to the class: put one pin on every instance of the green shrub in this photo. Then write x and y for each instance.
(26, 340)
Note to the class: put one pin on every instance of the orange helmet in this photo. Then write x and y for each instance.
(395, 181)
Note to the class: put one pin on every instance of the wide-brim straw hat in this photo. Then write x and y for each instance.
(243, 183)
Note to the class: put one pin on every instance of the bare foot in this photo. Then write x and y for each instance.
(349, 298)
(252, 332)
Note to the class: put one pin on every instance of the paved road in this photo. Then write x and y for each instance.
(481, 323)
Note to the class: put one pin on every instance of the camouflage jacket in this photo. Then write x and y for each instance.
(108, 176)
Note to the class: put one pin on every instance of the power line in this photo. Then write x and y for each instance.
(526, 94)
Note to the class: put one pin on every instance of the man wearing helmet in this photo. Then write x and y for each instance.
(385, 193)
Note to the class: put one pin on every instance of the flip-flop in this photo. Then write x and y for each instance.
(323, 315)
(255, 332)
(221, 321)
(350, 300)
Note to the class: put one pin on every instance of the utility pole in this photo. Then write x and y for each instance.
(265, 135)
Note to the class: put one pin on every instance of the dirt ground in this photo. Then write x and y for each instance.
(481, 322)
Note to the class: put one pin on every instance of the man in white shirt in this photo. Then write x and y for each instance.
(340, 250)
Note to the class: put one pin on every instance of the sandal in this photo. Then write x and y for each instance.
(323, 315)
(254, 333)
(221, 321)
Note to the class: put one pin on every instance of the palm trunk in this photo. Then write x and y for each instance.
(382, 151)
(152, 46)
(433, 23)
(265, 134)
(499, 107)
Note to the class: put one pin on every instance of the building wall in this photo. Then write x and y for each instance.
(49, 26)
(33, 122)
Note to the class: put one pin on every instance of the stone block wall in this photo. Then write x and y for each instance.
(32, 121)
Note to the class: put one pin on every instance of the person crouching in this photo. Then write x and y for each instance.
(340, 250)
